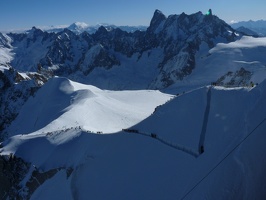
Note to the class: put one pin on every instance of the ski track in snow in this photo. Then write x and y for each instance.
(170, 144)
(122, 160)
(189, 151)
(205, 120)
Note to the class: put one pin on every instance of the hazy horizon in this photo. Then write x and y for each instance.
(25, 14)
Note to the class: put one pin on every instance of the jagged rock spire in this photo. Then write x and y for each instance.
(157, 18)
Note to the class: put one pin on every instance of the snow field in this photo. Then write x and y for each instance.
(211, 64)
(133, 166)
(55, 129)
(62, 104)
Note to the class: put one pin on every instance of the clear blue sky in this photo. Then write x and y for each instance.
(16, 14)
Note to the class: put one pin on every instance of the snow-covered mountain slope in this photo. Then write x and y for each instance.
(247, 31)
(156, 58)
(245, 54)
(68, 139)
(62, 104)
(5, 49)
(15, 86)
(147, 161)
(257, 26)
(138, 72)
(174, 50)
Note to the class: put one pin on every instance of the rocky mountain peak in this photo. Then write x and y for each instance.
(66, 34)
(78, 26)
(35, 31)
(157, 19)
(101, 31)
(171, 42)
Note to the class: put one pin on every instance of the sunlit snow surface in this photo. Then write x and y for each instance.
(211, 64)
(62, 104)
(134, 166)
(58, 128)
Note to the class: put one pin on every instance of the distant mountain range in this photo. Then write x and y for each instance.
(111, 58)
(79, 27)
(174, 51)
(258, 27)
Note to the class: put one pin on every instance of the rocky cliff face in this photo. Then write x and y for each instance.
(13, 170)
(177, 37)
(181, 36)
(20, 179)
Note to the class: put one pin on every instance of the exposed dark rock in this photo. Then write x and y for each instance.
(176, 35)
(157, 19)
(13, 171)
(235, 79)
(38, 178)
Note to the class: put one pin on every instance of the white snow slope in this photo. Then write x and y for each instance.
(211, 64)
(5, 53)
(229, 123)
(159, 154)
(62, 104)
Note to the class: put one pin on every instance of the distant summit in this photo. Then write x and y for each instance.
(257, 26)
(78, 27)
(247, 31)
